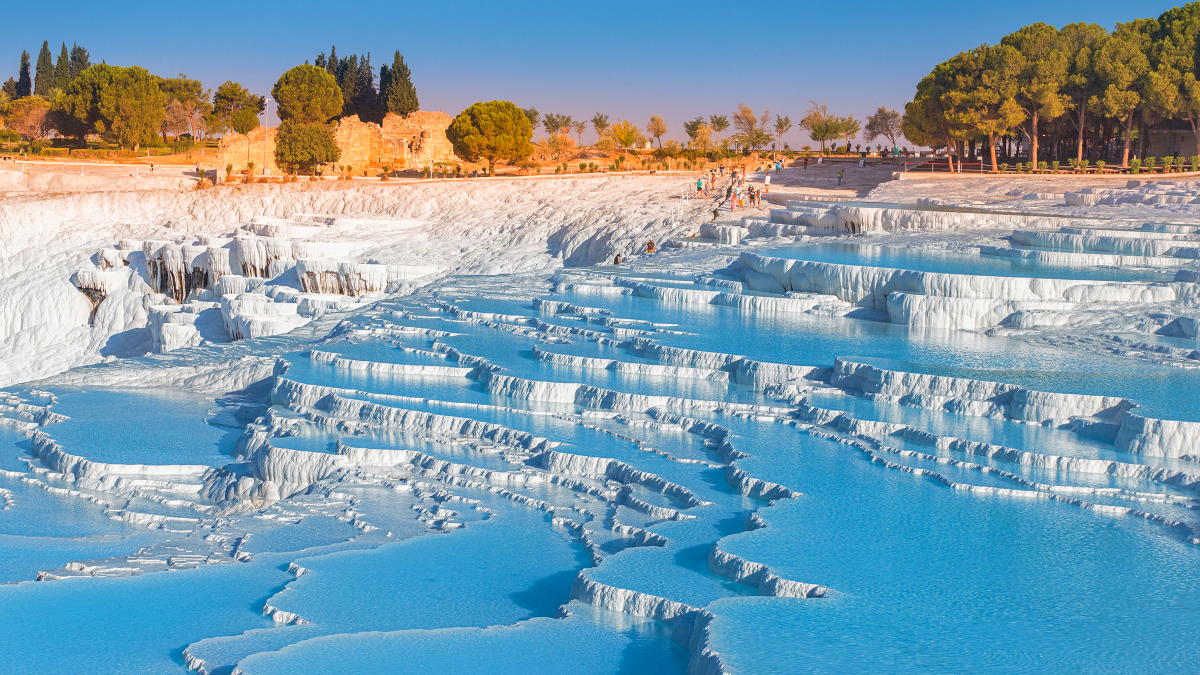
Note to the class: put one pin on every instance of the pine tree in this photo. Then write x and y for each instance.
(44, 75)
(366, 98)
(24, 84)
(332, 64)
(385, 80)
(62, 68)
(347, 78)
(401, 95)
(80, 60)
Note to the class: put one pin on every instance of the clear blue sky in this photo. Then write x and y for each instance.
(625, 58)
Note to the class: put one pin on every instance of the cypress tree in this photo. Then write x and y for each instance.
(401, 94)
(44, 75)
(366, 97)
(385, 80)
(347, 78)
(80, 59)
(62, 68)
(24, 84)
(332, 64)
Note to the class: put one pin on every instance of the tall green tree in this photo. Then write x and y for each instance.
(1172, 86)
(1041, 78)
(656, 128)
(401, 95)
(931, 118)
(62, 68)
(599, 124)
(783, 124)
(1122, 67)
(625, 134)
(80, 60)
(307, 94)
(821, 125)
(347, 81)
(719, 124)
(187, 104)
(554, 123)
(493, 131)
(304, 146)
(751, 129)
(533, 115)
(692, 127)
(849, 126)
(366, 98)
(43, 80)
(124, 105)
(228, 100)
(1082, 85)
(984, 97)
(884, 122)
(24, 83)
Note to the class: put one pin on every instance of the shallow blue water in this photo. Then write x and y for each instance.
(173, 427)
(950, 262)
(933, 579)
(478, 566)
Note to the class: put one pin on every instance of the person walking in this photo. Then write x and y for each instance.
(806, 163)
(767, 183)
(841, 174)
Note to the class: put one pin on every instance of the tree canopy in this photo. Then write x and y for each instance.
(884, 122)
(1085, 91)
(399, 92)
(123, 105)
(307, 94)
(656, 128)
(229, 100)
(304, 146)
(493, 131)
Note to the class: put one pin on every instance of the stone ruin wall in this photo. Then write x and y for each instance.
(232, 150)
(401, 143)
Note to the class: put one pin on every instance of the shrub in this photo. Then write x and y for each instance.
(305, 145)
(1004, 167)
(1100, 164)
(1194, 161)
(1054, 166)
(1135, 166)
(1044, 166)
(1083, 165)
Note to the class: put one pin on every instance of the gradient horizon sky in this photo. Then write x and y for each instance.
(626, 59)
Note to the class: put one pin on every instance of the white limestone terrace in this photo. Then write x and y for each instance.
(601, 456)
(424, 360)
(183, 263)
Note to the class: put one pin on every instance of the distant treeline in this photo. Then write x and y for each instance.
(1078, 92)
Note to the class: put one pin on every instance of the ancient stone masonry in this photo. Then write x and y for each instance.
(421, 137)
(416, 141)
(233, 150)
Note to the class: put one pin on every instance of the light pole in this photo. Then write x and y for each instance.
(266, 134)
